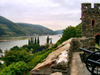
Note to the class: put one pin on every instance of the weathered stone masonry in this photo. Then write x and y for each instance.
(90, 19)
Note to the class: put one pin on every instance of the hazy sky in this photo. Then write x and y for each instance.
(54, 14)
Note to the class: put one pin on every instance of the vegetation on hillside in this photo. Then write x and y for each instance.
(9, 28)
(35, 29)
(2, 32)
(16, 68)
(70, 32)
(58, 31)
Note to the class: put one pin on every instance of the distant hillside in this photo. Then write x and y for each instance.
(9, 28)
(58, 31)
(35, 29)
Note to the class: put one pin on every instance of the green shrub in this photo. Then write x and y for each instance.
(17, 68)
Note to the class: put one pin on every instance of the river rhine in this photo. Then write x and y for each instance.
(6, 45)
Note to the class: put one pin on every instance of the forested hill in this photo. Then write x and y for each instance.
(58, 31)
(36, 29)
(9, 28)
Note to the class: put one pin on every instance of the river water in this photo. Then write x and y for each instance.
(6, 45)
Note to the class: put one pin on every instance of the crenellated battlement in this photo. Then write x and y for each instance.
(87, 10)
(86, 6)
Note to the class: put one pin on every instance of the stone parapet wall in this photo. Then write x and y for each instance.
(51, 66)
(84, 42)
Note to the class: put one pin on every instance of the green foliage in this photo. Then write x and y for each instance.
(35, 29)
(32, 41)
(2, 32)
(33, 44)
(70, 32)
(55, 45)
(47, 46)
(97, 46)
(1, 58)
(24, 48)
(10, 25)
(15, 48)
(79, 30)
(31, 50)
(0, 51)
(35, 41)
(47, 39)
(38, 57)
(38, 42)
(2, 66)
(29, 42)
(17, 68)
(58, 31)
(15, 56)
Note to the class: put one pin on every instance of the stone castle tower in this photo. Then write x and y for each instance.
(91, 21)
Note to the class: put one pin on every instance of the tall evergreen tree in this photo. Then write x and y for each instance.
(38, 42)
(35, 40)
(47, 39)
(29, 42)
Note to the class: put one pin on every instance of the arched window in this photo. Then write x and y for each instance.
(93, 23)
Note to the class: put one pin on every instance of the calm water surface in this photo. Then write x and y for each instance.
(6, 45)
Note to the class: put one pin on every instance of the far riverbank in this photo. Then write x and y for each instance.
(13, 39)
(9, 43)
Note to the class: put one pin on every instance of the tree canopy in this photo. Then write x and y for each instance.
(17, 68)
(15, 56)
(70, 32)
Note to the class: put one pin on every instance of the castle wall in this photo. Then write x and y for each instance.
(90, 16)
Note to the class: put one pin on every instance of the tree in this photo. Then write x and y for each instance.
(15, 56)
(18, 68)
(32, 41)
(0, 64)
(47, 39)
(31, 50)
(35, 41)
(70, 32)
(15, 48)
(0, 51)
(38, 42)
(29, 42)
(79, 30)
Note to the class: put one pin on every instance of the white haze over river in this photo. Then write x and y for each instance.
(6, 45)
